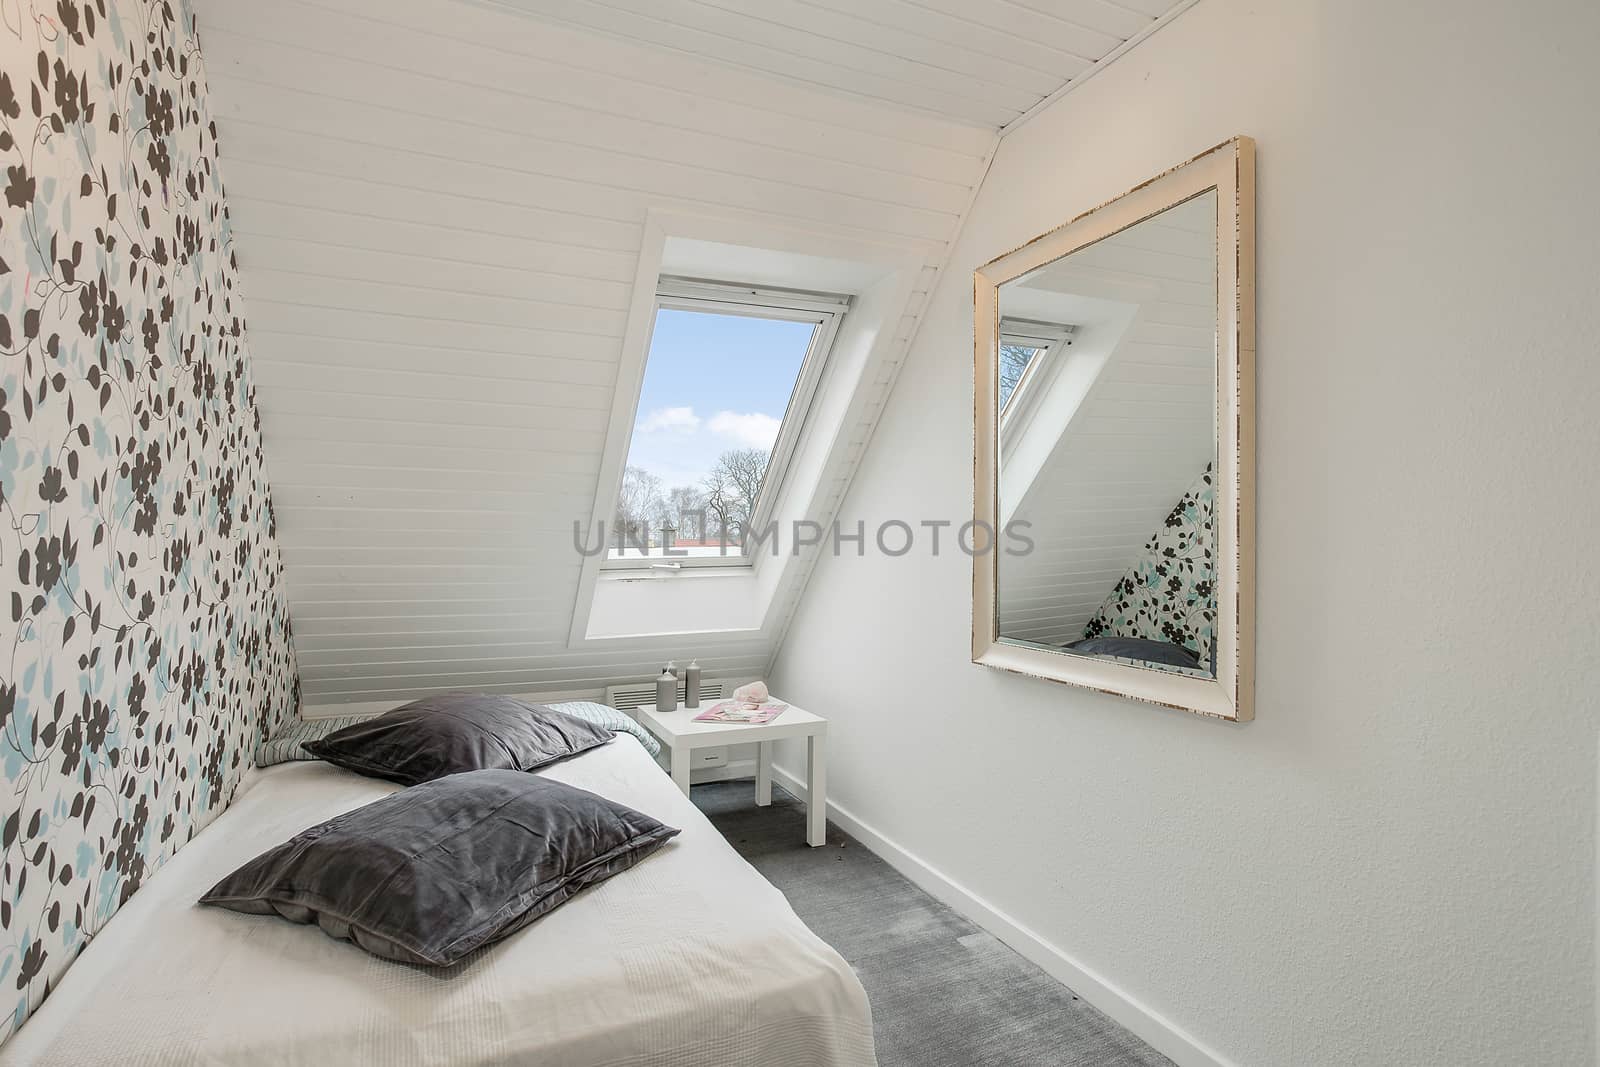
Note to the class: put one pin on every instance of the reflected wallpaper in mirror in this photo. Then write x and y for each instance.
(1107, 397)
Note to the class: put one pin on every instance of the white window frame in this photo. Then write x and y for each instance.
(824, 311)
(1027, 333)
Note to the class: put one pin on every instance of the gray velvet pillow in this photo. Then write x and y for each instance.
(455, 732)
(433, 872)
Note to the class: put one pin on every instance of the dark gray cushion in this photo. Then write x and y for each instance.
(433, 872)
(455, 732)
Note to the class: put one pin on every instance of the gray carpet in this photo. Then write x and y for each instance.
(944, 992)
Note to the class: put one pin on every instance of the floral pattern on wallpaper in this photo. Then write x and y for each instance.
(1170, 593)
(144, 637)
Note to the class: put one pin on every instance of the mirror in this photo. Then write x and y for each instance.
(1113, 434)
(1107, 396)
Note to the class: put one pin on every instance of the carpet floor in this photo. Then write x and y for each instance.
(944, 992)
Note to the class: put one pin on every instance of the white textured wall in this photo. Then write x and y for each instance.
(1395, 862)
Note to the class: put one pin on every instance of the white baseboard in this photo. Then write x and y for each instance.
(1155, 1029)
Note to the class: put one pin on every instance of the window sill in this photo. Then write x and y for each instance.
(617, 573)
(635, 604)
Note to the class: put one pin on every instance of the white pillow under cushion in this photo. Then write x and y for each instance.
(284, 746)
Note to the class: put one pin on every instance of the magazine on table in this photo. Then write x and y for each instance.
(742, 711)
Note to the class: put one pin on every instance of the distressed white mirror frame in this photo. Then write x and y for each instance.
(1228, 168)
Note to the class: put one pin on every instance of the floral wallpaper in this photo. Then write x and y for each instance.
(1170, 593)
(144, 639)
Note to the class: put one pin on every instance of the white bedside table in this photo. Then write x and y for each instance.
(680, 733)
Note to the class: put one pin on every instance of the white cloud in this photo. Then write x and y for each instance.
(670, 420)
(752, 430)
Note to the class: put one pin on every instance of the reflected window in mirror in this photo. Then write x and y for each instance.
(1024, 345)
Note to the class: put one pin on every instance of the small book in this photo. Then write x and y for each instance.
(739, 711)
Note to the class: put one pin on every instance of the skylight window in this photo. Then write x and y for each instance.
(1024, 346)
(1015, 359)
(727, 384)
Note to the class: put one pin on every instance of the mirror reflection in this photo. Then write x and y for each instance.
(1107, 447)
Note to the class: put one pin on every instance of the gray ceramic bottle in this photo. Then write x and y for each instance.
(691, 684)
(666, 691)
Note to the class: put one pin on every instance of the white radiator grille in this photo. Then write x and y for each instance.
(629, 697)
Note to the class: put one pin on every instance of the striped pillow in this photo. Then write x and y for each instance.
(609, 717)
(284, 746)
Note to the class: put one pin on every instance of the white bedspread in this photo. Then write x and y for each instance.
(690, 959)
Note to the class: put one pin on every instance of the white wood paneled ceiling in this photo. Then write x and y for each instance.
(981, 62)
(438, 209)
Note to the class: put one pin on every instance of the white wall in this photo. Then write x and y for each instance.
(439, 209)
(1395, 862)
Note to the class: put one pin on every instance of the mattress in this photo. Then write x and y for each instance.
(690, 959)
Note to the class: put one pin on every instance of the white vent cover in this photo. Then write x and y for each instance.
(629, 697)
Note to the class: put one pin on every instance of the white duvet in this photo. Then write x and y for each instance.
(690, 959)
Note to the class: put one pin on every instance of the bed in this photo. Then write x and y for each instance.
(690, 959)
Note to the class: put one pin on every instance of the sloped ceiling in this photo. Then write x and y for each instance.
(985, 62)
(438, 209)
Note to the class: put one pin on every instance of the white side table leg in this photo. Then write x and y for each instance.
(681, 763)
(764, 774)
(817, 795)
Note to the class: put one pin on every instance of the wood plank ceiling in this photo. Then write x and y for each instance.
(438, 209)
(985, 62)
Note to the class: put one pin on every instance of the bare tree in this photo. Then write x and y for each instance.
(640, 505)
(1014, 360)
(746, 467)
(732, 488)
(687, 504)
(722, 509)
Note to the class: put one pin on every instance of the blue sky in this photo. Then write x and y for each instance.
(713, 383)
